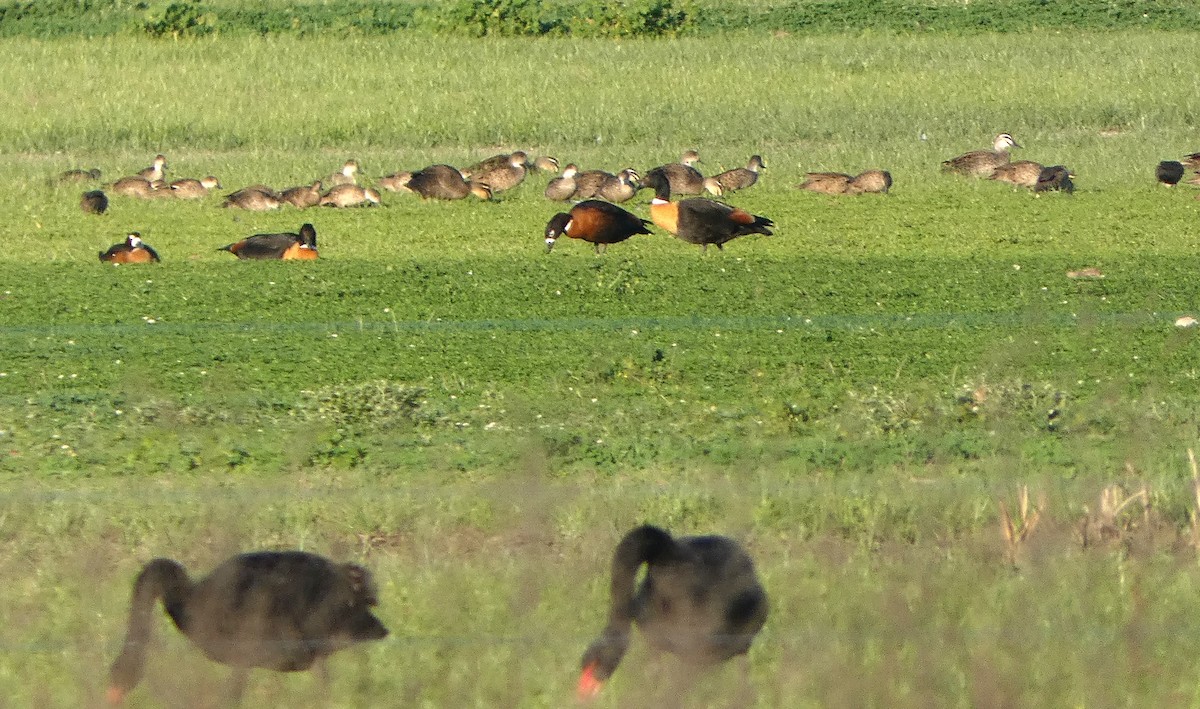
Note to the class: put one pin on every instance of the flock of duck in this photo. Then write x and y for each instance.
(595, 217)
(699, 599)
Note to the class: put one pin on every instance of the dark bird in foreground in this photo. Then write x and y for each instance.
(279, 610)
(286, 246)
(600, 223)
(1169, 172)
(700, 600)
(700, 221)
(132, 250)
(1055, 178)
(93, 202)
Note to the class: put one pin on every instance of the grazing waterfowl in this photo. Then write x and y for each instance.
(258, 198)
(600, 223)
(736, 179)
(1022, 173)
(700, 221)
(502, 160)
(302, 197)
(1169, 172)
(93, 202)
(870, 181)
(620, 188)
(155, 171)
(350, 196)
(194, 189)
(279, 610)
(1055, 178)
(826, 182)
(287, 246)
(561, 188)
(133, 186)
(396, 182)
(700, 600)
(132, 250)
(445, 182)
(77, 176)
(684, 178)
(503, 177)
(981, 163)
(589, 182)
(545, 163)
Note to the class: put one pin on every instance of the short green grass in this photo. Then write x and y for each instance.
(480, 421)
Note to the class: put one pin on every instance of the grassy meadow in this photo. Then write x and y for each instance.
(479, 421)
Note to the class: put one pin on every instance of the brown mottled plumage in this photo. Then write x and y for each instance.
(684, 178)
(736, 179)
(981, 163)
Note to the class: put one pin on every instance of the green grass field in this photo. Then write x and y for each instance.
(479, 421)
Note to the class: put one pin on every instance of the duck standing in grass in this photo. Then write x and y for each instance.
(684, 178)
(132, 250)
(285, 246)
(698, 220)
(599, 223)
(279, 610)
(700, 600)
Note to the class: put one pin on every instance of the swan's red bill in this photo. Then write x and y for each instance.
(589, 685)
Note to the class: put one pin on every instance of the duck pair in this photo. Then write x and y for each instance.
(143, 188)
(590, 184)
(285, 246)
(700, 599)
(696, 221)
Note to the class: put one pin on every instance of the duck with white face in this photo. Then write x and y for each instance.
(132, 250)
(599, 223)
(981, 163)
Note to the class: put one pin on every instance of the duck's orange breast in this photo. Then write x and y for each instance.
(296, 252)
(666, 216)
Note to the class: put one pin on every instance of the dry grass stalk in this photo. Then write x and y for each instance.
(1016, 534)
(1195, 511)
(1105, 525)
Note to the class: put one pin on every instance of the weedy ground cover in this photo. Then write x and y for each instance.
(479, 421)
